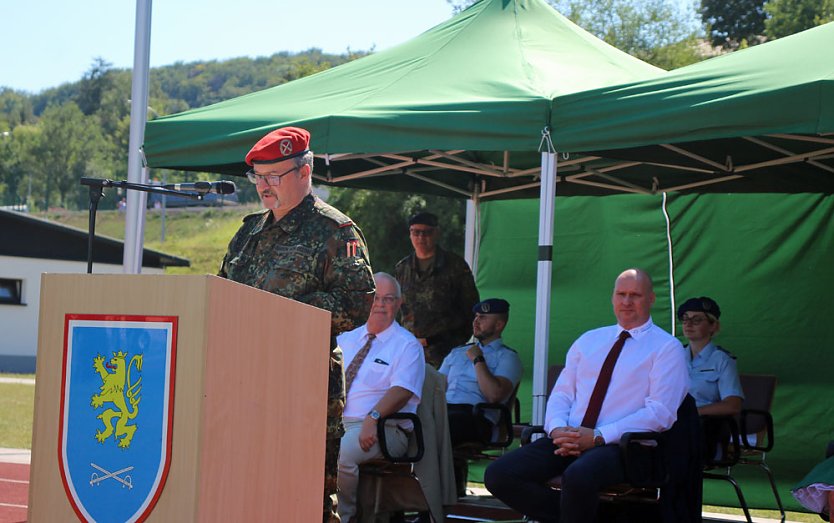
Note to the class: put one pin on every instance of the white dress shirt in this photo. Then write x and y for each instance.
(649, 382)
(395, 359)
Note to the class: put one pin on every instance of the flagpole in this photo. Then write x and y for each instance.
(136, 201)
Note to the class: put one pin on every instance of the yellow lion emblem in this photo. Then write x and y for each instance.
(116, 387)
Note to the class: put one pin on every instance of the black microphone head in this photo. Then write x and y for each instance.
(225, 187)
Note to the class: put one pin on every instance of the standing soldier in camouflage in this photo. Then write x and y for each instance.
(301, 248)
(438, 291)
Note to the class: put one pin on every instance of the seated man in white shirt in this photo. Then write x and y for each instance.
(627, 377)
(384, 372)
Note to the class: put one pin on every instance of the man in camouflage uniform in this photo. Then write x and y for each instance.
(438, 291)
(301, 248)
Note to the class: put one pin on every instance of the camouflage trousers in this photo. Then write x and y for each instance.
(335, 430)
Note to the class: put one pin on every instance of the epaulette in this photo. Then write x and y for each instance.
(328, 211)
(728, 353)
(256, 214)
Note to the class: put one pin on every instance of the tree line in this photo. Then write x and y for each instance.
(51, 139)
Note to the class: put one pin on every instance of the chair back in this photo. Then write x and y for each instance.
(759, 391)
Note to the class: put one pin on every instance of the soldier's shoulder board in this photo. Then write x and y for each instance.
(333, 214)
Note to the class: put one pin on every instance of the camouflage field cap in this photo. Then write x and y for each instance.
(279, 145)
(423, 218)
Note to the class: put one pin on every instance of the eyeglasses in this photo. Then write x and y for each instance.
(270, 179)
(421, 232)
(694, 320)
(385, 300)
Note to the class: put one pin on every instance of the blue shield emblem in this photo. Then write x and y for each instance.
(117, 405)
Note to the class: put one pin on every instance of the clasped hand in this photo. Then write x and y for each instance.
(572, 441)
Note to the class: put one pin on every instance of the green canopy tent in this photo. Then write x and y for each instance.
(461, 110)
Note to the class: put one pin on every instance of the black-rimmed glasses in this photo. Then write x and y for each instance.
(270, 179)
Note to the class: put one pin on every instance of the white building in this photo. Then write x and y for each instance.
(30, 247)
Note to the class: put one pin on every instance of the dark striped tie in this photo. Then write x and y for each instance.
(353, 368)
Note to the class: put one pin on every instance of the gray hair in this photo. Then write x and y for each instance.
(305, 159)
(385, 276)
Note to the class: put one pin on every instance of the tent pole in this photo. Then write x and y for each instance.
(136, 201)
(547, 200)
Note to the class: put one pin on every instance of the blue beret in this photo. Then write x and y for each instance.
(492, 306)
(702, 304)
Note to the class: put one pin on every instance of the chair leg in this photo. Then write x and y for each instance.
(731, 480)
(770, 477)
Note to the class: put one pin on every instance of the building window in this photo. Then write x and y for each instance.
(10, 291)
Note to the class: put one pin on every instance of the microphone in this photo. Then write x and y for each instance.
(221, 187)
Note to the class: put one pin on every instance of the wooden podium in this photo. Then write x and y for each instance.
(249, 399)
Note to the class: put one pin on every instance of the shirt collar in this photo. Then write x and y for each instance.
(491, 346)
(638, 332)
(382, 336)
(706, 352)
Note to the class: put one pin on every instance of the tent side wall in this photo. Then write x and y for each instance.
(765, 258)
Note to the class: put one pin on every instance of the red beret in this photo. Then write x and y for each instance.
(279, 145)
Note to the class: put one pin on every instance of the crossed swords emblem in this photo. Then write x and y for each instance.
(95, 479)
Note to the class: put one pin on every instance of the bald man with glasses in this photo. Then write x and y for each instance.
(303, 249)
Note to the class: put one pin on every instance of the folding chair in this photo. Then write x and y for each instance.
(420, 481)
(751, 438)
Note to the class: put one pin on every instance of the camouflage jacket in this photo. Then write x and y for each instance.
(437, 304)
(314, 254)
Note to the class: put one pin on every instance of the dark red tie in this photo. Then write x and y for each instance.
(603, 380)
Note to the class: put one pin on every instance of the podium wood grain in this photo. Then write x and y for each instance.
(250, 396)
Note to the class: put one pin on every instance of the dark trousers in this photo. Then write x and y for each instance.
(465, 426)
(519, 480)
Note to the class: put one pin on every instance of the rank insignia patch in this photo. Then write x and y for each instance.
(117, 402)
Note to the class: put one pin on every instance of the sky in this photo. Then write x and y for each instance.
(49, 42)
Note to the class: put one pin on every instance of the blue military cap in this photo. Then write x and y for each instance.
(702, 304)
(492, 306)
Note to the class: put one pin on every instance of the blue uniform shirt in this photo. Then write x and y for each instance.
(713, 375)
(460, 372)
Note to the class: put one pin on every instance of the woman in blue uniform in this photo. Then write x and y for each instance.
(713, 376)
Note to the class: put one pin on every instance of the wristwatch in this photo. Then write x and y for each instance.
(374, 414)
(478, 359)
(598, 439)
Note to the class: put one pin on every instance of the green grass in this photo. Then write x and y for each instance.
(17, 407)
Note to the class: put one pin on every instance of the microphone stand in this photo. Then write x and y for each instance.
(97, 186)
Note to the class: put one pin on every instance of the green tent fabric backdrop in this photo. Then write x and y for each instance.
(767, 259)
